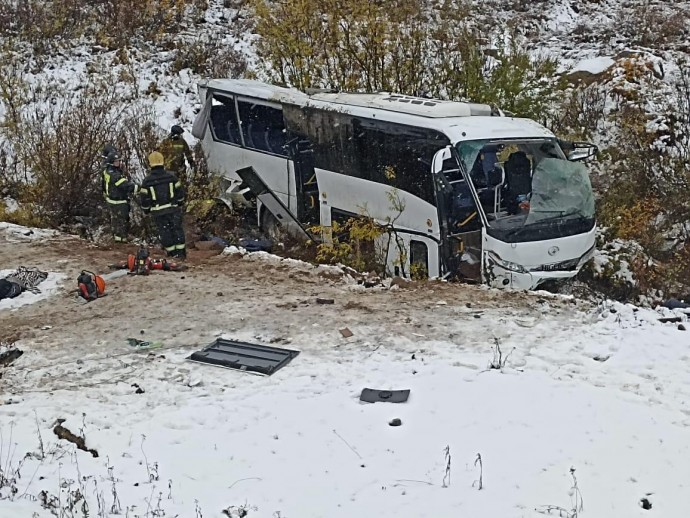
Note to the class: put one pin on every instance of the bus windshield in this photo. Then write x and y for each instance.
(528, 190)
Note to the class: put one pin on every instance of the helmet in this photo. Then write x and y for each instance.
(156, 159)
(112, 157)
(107, 149)
(176, 130)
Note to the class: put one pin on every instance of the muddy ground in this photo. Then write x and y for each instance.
(255, 297)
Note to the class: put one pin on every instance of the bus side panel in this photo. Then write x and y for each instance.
(225, 159)
(379, 201)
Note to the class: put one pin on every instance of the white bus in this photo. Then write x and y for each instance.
(484, 196)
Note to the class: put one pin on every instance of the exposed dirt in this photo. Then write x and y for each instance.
(256, 297)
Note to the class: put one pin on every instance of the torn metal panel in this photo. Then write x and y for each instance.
(387, 396)
(283, 215)
(244, 356)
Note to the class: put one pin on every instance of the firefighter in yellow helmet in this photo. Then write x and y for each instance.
(161, 195)
(177, 155)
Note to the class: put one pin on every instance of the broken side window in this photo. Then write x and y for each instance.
(224, 120)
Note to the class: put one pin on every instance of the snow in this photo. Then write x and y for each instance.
(594, 65)
(601, 389)
(15, 233)
(49, 287)
(11, 204)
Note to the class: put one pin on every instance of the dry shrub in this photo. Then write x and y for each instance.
(112, 23)
(58, 139)
(209, 56)
(581, 112)
(415, 48)
(652, 23)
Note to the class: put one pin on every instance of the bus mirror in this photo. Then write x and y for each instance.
(439, 158)
(578, 151)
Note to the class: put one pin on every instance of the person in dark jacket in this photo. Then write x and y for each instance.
(177, 155)
(117, 190)
(518, 170)
(161, 195)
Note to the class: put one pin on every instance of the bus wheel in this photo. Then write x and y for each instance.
(270, 227)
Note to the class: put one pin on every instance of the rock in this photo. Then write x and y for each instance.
(645, 503)
(395, 422)
(681, 327)
(325, 301)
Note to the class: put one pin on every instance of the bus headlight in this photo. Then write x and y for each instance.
(513, 267)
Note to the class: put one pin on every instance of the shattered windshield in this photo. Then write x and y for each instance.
(528, 189)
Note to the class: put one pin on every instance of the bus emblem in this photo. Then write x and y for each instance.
(553, 250)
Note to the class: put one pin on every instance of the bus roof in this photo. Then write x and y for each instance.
(257, 89)
(433, 108)
(458, 121)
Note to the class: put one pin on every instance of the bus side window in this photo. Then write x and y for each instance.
(263, 128)
(224, 120)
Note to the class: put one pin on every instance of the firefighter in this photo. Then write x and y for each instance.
(177, 154)
(161, 195)
(117, 190)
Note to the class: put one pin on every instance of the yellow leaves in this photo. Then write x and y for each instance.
(351, 243)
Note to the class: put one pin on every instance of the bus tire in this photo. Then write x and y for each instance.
(270, 226)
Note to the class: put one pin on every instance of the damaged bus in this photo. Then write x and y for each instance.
(467, 190)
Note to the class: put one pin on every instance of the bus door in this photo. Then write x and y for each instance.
(306, 186)
(460, 218)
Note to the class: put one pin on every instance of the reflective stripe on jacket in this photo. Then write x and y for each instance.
(116, 187)
(161, 192)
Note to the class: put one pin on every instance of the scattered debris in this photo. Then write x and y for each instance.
(325, 301)
(256, 245)
(243, 356)
(21, 280)
(675, 304)
(395, 422)
(10, 356)
(143, 344)
(386, 396)
(666, 320)
(601, 358)
(441, 303)
(138, 390)
(345, 331)
(64, 433)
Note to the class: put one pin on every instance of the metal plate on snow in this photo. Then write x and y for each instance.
(387, 396)
(244, 356)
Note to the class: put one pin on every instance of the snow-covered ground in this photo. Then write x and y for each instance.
(601, 389)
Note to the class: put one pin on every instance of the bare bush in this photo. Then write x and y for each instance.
(112, 23)
(57, 140)
(652, 23)
(210, 56)
(415, 48)
(581, 112)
